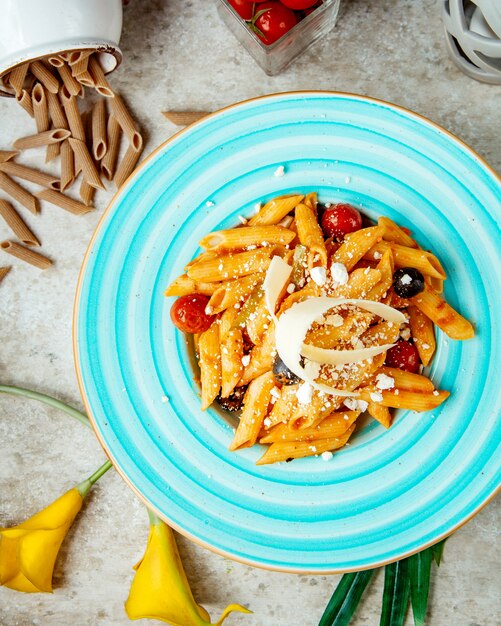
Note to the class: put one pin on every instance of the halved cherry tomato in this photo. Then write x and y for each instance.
(298, 5)
(188, 313)
(403, 355)
(273, 21)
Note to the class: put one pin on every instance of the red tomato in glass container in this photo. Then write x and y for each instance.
(298, 5)
(273, 21)
(243, 8)
(188, 313)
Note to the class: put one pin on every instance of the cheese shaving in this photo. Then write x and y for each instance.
(275, 280)
(292, 326)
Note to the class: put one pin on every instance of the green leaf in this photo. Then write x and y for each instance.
(419, 567)
(438, 550)
(395, 594)
(345, 599)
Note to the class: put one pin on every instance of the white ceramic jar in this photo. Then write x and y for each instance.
(30, 29)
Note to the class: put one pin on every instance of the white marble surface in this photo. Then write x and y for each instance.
(179, 56)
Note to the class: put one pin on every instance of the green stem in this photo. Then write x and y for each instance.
(84, 486)
(57, 404)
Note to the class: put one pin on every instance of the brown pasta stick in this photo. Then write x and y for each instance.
(87, 193)
(184, 118)
(18, 193)
(25, 254)
(80, 67)
(53, 151)
(24, 99)
(56, 113)
(55, 60)
(101, 85)
(17, 224)
(7, 155)
(126, 121)
(71, 84)
(85, 161)
(40, 108)
(41, 139)
(17, 76)
(67, 165)
(4, 271)
(76, 56)
(27, 173)
(72, 114)
(109, 161)
(99, 142)
(85, 79)
(127, 165)
(45, 76)
(63, 201)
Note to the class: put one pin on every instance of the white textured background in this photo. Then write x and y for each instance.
(179, 56)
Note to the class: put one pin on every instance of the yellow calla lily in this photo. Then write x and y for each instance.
(160, 589)
(28, 551)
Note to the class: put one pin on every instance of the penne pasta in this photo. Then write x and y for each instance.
(52, 152)
(4, 271)
(256, 402)
(310, 235)
(67, 165)
(442, 314)
(45, 76)
(55, 60)
(99, 140)
(275, 210)
(184, 285)
(392, 232)
(356, 245)
(17, 77)
(227, 323)
(128, 163)
(17, 224)
(80, 68)
(27, 173)
(239, 238)
(7, 155)
(423, 334)
(126, 121)
(101, 85)
(233, 292)
(210, 364)
(334, 425)
(386, 266)
(232, 351)
(114, 132)
(258, 321)
(26, 255)
(426, 262)
(72, 85)
(87, 192)
(40, 108)
(284, 406)
(77, 56)
(184, 118)
(24, 99)
(56, 113)
(297, 449)
(231, 266)
(41, 139)
(72, 115)
(18, 193)
(63, 201)
(379, 413)
(410, 400)
(261, 357)
(84, 160)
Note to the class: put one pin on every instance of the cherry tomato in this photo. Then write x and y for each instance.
(313, 8)
(404, 356)
(274, 22)
(340, 219)
(243, 8)
(188, 313)
(298, 5)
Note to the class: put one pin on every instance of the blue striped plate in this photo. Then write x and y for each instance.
(390, 493)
